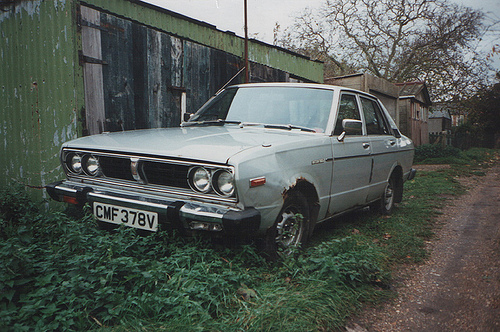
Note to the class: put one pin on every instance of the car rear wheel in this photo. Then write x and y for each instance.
(387, 200)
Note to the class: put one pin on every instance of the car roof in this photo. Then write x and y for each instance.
(301, 85)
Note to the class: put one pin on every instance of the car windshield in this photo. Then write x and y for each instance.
(289, 107)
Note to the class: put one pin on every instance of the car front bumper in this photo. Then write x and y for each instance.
(173, 213)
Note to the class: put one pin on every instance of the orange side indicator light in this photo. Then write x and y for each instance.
(257, 182)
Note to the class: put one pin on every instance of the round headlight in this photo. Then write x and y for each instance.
(225, 183)
(200, 179)
(76, 163)
(92, 165)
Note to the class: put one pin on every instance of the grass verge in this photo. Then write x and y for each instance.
(59, 273)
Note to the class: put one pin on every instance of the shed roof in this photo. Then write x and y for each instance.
(366, 82)
(439, 114)
(211, 26)
(416, 89)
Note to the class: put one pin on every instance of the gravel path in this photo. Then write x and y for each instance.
(458, 287)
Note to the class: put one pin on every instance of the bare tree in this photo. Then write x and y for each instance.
(399, 40)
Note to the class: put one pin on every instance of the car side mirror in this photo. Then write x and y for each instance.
(352, 127)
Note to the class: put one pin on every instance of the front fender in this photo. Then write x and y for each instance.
(282, 171)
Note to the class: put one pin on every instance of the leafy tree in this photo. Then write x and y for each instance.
(399, 40)
(484, 114)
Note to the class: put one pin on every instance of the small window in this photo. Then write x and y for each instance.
(348, 109)
(374, 120)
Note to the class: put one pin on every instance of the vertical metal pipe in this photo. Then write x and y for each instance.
(247, 69)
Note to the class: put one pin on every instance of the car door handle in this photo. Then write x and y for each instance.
(366, 145)
(392, 143)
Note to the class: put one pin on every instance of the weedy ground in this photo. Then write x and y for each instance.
(64, 273)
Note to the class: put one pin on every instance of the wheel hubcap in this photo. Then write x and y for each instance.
(289, 229)
(388, 196)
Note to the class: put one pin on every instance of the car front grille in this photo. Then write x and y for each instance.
(165, 174)
(117, 168)
(143, 172)
(152, 172)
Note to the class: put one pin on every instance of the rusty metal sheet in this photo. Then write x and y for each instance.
(118, 75)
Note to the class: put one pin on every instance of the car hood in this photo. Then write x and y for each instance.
(210, 143)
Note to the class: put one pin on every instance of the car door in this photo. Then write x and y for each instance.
(351, 158)
(383, 145)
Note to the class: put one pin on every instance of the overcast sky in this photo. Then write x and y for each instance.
(263, 14)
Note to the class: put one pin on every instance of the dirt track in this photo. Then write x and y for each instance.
(458, 288)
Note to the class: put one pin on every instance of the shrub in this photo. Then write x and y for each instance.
(15, 203)
(437, 154)
(58, 273)
(427, 151)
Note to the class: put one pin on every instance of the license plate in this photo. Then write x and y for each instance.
(126, 216)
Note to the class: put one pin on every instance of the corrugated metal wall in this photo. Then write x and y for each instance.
(40, 90)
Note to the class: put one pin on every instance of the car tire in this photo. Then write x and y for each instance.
(386, 202)
(291, 227)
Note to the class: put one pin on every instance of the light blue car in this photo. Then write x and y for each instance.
(266, 160)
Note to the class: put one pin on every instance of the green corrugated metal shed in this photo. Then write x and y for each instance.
(42, 94)
(40, 88)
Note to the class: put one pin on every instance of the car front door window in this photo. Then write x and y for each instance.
(348, 110)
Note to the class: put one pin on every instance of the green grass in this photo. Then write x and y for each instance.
(62, 273)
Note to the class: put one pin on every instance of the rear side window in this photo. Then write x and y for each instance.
(348, 109)
(374, 120)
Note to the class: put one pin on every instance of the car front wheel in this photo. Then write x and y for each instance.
(291, 227)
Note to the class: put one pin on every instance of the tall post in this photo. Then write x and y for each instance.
(247, 69)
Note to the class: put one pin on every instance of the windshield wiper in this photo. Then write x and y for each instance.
(289, 127)
(209, 122)
(244, 124)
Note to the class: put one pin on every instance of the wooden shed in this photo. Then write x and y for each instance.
(414, 103)
(407, 103)
(386, 91)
